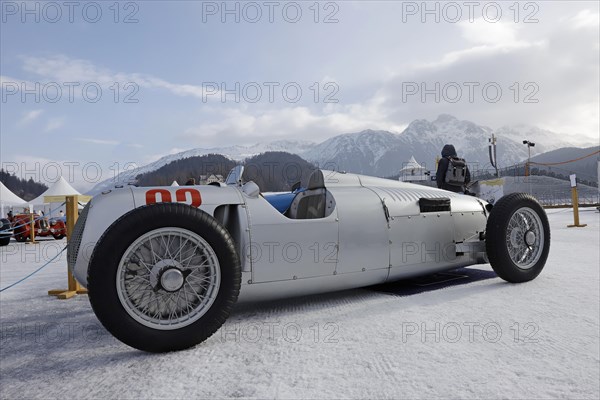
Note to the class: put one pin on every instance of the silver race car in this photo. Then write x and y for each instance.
(164, 266)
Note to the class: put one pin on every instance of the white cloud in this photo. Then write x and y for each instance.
(584, 19)
(98, 141)
(563, 62)
(54, 124)
(483, 32)
(488, 39)
(62, 69)
(177, 89)
(583, 116)
(30, 116)
(241, 126)
(8, 80)
(559, 64)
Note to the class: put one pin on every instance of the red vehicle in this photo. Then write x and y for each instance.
(43, 227)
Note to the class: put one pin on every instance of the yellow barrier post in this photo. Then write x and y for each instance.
(575, 201)
(73, 286)
(32, 229)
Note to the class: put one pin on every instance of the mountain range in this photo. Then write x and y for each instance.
(382, 153)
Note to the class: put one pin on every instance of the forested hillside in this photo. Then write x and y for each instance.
(185, 168)
(272, 171)
(25, 189)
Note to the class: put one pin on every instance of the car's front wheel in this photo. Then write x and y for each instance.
(517, 238)
(164, 277)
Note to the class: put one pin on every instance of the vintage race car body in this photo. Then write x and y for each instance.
(374, 231)
(43, 227)
(165, 265)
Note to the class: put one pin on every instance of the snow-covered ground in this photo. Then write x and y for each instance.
(485, 339)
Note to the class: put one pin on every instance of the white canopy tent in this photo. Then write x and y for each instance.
(59, 188)
(8, 199)
(413, 171)
(175, 183)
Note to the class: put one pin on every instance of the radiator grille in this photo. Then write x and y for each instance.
(75, 241)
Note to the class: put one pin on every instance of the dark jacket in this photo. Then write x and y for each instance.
(449, 151)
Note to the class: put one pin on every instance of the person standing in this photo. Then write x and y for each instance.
(452, 171)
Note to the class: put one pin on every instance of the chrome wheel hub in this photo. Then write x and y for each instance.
(171, 280)
(530, 238)
(158, 271)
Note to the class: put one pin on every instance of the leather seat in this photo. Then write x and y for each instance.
(310, 204)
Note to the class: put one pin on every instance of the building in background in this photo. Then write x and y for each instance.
(412, 171)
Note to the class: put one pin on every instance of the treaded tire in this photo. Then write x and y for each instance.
(5, 241)
(497, 237)
(21, 238)
(58, 237)
(107, 255)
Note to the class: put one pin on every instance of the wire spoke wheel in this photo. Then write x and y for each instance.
(517, 238)
(164, 277)
(168, 278)
(525, 238)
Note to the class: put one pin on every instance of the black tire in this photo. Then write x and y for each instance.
(21, 238)
(107, 255)
(6, 232)
(504, 238)
(58, 237)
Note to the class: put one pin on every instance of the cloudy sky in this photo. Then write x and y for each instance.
(117, 83)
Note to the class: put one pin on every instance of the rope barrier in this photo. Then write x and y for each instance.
(566, 162)
(34, 272)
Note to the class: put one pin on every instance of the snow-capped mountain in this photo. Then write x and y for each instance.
(424, 140)
(359, 151)
(544, 140)
(383, 153)
(240, 153)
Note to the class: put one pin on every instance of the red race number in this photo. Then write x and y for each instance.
(183, 195)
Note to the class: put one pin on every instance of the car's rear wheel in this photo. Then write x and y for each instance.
(4, 241)
(517, 238)
(58, 237)
(21, 238)
(164, 277)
